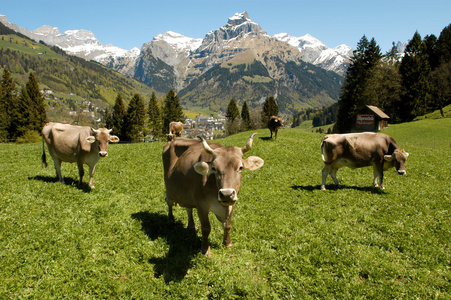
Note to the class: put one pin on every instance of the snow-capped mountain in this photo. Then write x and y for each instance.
(238, 60)
(82, 43)
(316, 52)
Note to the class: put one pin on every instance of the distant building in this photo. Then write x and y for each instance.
(370, 118)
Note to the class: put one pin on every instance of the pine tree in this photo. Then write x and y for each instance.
(246, 123)
(443, 46)
(415, 71)
(25, 114)
(39, 104)
(232, 118)
(117, 118)
(108, 119)
(8, 99)
(172, 110)
(134, 119)
(155, 120)
(441, 76)
(270, 108)
(232, 111)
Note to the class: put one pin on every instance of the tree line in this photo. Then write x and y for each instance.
(22, 113)
(133, 123)
(236, 121)
(404, 86)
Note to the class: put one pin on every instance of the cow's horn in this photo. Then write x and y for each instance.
(249, 143)
(95, 130)
(207, 148)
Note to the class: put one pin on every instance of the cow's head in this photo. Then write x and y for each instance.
(398, 160)
(102, 136)
(227, 165)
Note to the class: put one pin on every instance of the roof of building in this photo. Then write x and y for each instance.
(378, 112)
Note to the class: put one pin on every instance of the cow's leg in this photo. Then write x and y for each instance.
(202, 212)
(333, 174)
(191, 224)
(81, 172)
(275, 134)
(380, 175)
(326, 171)
(170, 214)
(375, 176)
(57, 163)
(224, 215)
(92, 169)
(227, 241)
(271, 133)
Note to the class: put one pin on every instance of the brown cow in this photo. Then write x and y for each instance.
(206, 177)
(274, 124)
(357, 150)
(175, 129)
(80, 144)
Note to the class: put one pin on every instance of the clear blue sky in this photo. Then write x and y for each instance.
(131, 23)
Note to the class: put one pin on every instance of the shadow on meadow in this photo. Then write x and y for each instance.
(333, 187)
(183, 243)
(68, 181)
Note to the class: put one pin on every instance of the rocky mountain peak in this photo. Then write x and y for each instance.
(239, 18)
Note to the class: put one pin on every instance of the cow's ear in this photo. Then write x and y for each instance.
(90, 139)
(388, 157)
(202, 168)
(253, 163)
(114, 139)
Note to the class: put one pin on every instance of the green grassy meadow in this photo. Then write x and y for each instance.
(291, 240)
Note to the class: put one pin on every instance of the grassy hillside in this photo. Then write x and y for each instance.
(65, 74)
(291, 240)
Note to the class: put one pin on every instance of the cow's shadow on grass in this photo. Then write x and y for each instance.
(333, 187)
(183, 243)
(67, 181)
(266, 138)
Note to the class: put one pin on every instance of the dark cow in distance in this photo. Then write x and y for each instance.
(357, 150)
(274, 124)
(175, 130)
(79, 144)
(206, 177)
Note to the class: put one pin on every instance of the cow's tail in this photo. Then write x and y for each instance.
(44, 159)
(323, 144)
(322, 148)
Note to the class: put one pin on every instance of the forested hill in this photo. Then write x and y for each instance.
(62, 73)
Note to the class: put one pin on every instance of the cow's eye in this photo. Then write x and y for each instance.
(213, 168)
(241, 168)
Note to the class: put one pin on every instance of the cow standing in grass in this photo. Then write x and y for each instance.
(79, 144)
(206, 177)
(357, 150)
(175, 130)
(274, 124)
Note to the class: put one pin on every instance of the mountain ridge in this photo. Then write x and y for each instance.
(240, 54)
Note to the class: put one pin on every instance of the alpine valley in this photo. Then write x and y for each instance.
(239, 60)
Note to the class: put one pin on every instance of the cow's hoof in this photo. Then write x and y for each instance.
(229, 245)
(206, 252)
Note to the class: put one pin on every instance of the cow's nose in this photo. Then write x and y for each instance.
(402, 172)
(227, 196)
(103, 153)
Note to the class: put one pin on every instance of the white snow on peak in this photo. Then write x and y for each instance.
(240, 16)
(316, 52)
(178, 41)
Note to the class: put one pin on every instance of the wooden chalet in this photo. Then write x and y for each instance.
(370, 118)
